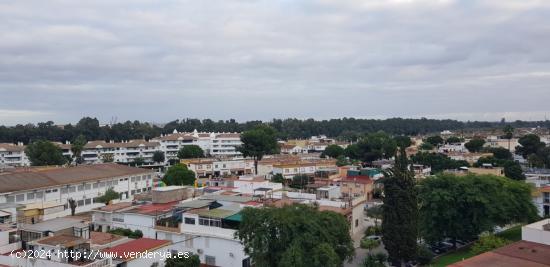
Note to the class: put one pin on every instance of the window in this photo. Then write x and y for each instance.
(20, 198)
(80, 203)
(139, 191)
(101, 184)
(210, 260)
(10, 199)
(109, 183)
(30, 196)
(39, 194)
(80, 188)
(133, 179)
(48, 191)
(189, 220)
(115, 182)
(54, 190)
(64, 190)
(96, 185)
(133, 192)
(88, 186)
(209, 222)
(72, 189)
(88, 201)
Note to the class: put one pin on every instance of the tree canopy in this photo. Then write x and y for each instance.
(295, 235)
(346, 128)
(333, 151)
(462, 207)
(434, 140)
(475, 145)
(260, 141)
(400, 212)
(109, 195)
(158, 156)
(372, 147)
(42, 153)
(190, 152)
(178, 174)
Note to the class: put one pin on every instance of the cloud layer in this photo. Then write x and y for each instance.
(161, 60)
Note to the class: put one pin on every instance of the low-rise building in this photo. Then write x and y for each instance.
(45, 192)
(13, 155)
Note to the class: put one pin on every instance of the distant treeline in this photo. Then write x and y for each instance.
(345, 128)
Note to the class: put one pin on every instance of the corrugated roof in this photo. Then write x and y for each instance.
(216, 213)
(53, 225)
(194, 204)
(29, 178)
(239, 199)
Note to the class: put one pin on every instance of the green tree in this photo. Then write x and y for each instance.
(178, 174)
(109, 195)
(192, 261)
(158, 156)
(426, 146)
(435, 140)
(501, 153)
(138, 161)
(513, 170)
(402, 141)
(77, 146)
(258, 142)
(453, 140)
(437, 161)
(376, 146)
(295, 235)
(508, 134)
(278, 178)
(333, 151)
(107, 157)
(475, 145)
(462, 207)
(400, 212)
(190, 152)
(529, 144)
(352, 151)
(42, 153)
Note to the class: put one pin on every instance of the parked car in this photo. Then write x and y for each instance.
(374, 237)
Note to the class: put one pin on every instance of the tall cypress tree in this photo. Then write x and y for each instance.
(400, 212)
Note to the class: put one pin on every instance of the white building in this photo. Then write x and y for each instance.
(204, 226)
(13, 155)
(44, 192)
(213, 144)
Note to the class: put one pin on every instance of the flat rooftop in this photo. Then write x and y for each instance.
(22, 179)
(62, 240)
(54, 225)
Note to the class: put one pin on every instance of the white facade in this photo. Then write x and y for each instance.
(54, 200)
(13, 155)
(536, 232)
(213, 144)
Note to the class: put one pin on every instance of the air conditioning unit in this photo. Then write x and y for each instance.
(200, 251)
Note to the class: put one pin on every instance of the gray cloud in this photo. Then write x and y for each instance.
(157, 61)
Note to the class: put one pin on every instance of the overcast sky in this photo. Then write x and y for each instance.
(158, 61)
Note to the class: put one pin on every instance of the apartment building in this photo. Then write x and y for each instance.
(308, 167)
(13, 155)
(213, 144)
(219, 167)
(44, 192)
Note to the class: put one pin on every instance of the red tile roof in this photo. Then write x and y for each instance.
(522, 253)
(122, 251)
